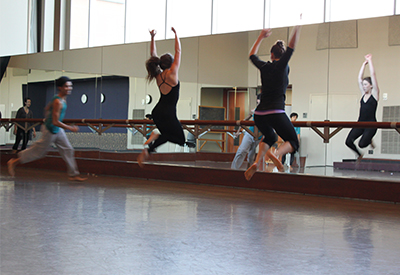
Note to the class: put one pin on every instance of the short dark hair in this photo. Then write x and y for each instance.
(26, 99)
(294, 114)
(62, 80)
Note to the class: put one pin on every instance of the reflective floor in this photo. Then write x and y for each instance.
(111, 225)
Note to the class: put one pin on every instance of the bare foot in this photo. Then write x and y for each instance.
(250, 172)
(142, 158)
(153, 136)
(373, 144)
(11, 166)
(278, 164)
(77, 178)
(358, 161)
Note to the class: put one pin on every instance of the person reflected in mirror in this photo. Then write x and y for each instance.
(270, 116)
(20, 134)
(164, 70)
(248, 145)
(368, 104)
(153, 134)
(293, 117)
(53, 132)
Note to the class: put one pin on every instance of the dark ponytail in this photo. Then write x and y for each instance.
(153, 68)
(278, 49)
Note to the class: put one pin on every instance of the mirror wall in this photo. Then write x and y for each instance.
(215, 71)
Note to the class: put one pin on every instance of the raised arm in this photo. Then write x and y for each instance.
(375, 87)
(263, 34)
(294, 37)
(361, 76)
(177, 57)
(153, 50)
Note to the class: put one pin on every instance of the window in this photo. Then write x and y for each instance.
(143, 16)
(107, 23)
(235, 16)
(189, 18)
(339, 10)
(79, 24)
(282, 13)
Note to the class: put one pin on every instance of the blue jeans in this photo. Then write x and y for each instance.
(247, 147)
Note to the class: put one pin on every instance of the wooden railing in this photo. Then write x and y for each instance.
(199, 127)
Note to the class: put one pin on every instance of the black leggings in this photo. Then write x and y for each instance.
(282, 126)
(21, 135)
(170, 130)
(366, 139)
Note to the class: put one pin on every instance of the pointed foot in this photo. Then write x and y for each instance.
(276, 161)
(142, 158)
(250, 172)
(153, 136)
(11, 167)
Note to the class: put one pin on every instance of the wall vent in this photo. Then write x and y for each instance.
(137, 138)
(390, 138)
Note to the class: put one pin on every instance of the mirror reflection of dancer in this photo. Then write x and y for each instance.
(368, 104)
(248, 145)
(270, 113)
(23, 112)
(164, 70)
(293, 117)
(53, 132)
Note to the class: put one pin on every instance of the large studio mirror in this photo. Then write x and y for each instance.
(216, 72)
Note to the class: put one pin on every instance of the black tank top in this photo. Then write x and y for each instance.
(166, 105)
(368, 109)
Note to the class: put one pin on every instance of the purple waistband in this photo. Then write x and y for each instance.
(268, 112)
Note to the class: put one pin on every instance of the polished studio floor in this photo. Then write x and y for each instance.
(111, 225)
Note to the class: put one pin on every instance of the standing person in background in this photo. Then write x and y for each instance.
(270, 116)
(53, 132)
(164, 70)
(248, 145)
(23, 112)
(293, 117)
(369, 102)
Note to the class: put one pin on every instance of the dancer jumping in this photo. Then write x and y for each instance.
(270, 113)
(368, 104)
(164, 70)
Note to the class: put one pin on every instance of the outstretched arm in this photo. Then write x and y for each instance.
(153, 50)
(177, 57)
(375, 88)
(263, 34)
(294, 37)
(361, 76)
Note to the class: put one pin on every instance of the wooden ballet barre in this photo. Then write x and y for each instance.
(143, 125)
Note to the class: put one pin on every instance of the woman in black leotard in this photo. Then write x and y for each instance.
(369, 102)
(270, 116)
(164, 70)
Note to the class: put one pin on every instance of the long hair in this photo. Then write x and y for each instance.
(278, 49)
(155, 65)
